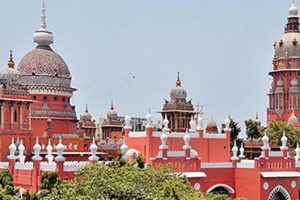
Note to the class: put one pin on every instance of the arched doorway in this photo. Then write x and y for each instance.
(279, 193)
(221, 189)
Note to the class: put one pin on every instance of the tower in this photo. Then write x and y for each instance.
(284, 94)
(47, 78)
(178, 110)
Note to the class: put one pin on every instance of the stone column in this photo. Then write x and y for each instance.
(2, 114)
(21, 115)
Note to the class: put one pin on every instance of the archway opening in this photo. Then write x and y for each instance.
(220, 190)
(279, 193)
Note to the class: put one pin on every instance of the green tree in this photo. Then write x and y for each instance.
(252, 129)
(235, 129)
(275, 132)
(48, 182)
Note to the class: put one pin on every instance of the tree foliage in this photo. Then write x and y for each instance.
(275, 132)
(235, 129)
(252, 129)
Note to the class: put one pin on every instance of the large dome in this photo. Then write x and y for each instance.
(42, 66)
(288, 45)
(178, 92)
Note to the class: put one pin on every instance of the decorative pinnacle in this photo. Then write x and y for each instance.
(178, 82)
(11, 63)
(43, 16)
(86, 108)
(112, 105)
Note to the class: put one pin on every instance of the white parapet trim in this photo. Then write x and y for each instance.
(27, 165)
(3, 165)
(246, 164)
(176, 134)
(137, 134)
(45, 166)
(214, 135)
(275, 154)
(216, 165)
(74, 165)
(280, 174)
(192, 174)
(175, 154)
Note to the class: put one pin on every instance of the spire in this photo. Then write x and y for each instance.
(43, 16)
(11, 63)
(293, 19)
(86, 108)
(178, 82)
(43, 37)
(112, 105)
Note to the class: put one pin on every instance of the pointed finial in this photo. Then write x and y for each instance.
(11, 63)
(178, 82)
(293, 10)
(43, 24)
(112, 105)
(86, 108)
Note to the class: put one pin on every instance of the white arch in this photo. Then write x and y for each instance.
(132, 152)
(227, 187)
(280, 188)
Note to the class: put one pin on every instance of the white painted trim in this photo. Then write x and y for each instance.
(133, 134)
(280, 174)
(227, 187)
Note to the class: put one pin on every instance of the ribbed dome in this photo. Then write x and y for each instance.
(10, 76)
(43, 66)
(178, 93)
(86, 116)
(111, 113)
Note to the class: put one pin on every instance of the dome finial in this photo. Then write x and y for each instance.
(86, 108)
(43, 16)
(293, 10)
(178, 82)
(43, 37)
(112, 105)
(11, 63)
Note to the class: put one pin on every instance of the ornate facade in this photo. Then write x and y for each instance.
(178, 110)
(284, 95)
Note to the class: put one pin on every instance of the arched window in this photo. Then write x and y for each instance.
(15, 116)
(279, 193)
(221, 189)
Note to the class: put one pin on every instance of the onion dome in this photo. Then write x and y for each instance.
(178, 92)
(293, 119)
(86, 115)
(212, 127)
(111, 113)
(288, 44)
(10, 76)
(43, 66)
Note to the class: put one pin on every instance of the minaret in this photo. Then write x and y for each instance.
(284, 94)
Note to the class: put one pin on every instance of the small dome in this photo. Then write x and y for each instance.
(178, 92)
(280, 82)
(293, 119)
(86, 115)
(293, 10)
(212, 127)
(111, 113)
(10, 75)
(294, 81)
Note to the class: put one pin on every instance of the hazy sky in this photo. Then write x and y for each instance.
(223, 50)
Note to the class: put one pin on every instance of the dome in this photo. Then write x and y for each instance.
(288, 45)
(86, 116)
(111, 113)
(212, 127)
(43, 66)
(178, 92)
(10, 75)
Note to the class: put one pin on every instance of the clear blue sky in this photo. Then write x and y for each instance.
(223, 49)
